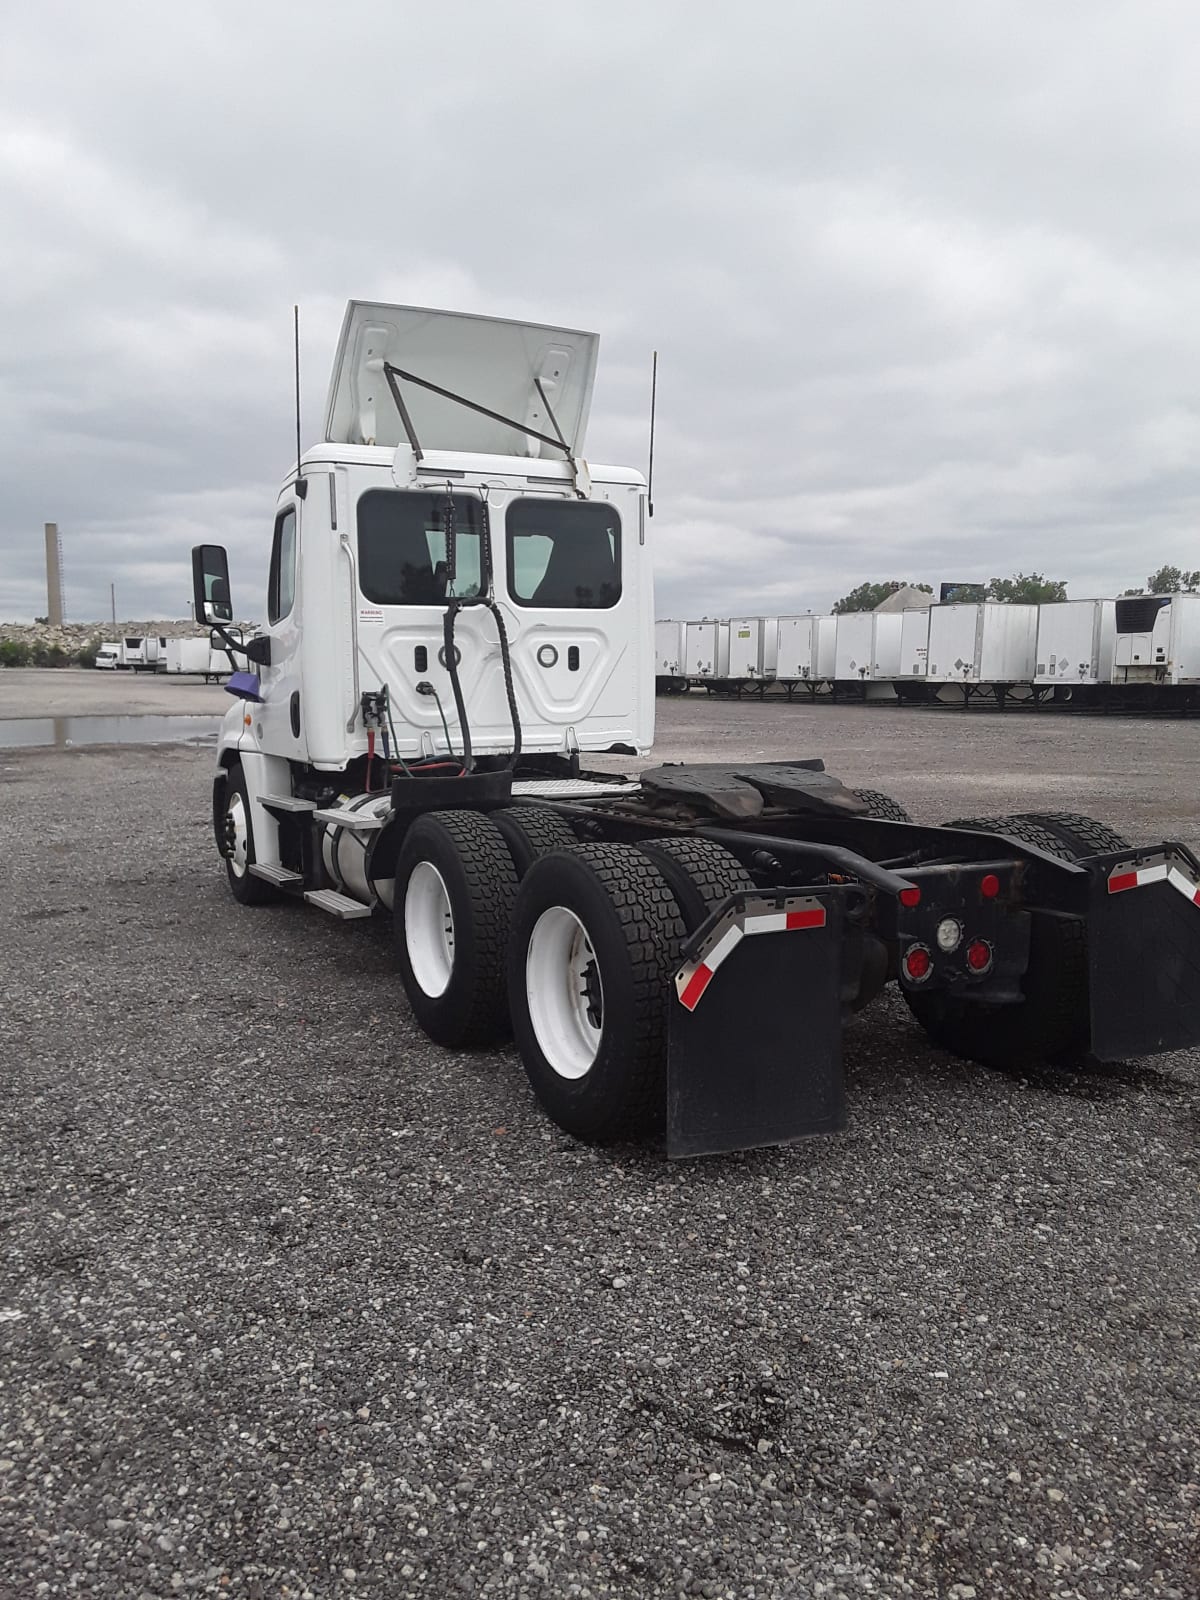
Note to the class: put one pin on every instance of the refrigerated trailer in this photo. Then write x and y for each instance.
(1076, 643)
(459, 618)
(1158, 640)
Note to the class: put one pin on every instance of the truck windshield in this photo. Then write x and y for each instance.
(402, 547)
(564, 554)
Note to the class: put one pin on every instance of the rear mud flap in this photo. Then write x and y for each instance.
(1144, 953)
(755, 1033)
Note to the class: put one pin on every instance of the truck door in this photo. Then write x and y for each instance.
(281, 716)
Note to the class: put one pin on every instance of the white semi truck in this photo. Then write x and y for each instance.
(459, 619)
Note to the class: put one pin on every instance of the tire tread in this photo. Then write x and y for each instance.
(881, 807)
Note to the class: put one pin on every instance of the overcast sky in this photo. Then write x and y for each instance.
(923, 277)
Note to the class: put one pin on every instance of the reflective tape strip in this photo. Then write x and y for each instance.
(1185, 886)
(691, 982)
(786, 921)
(702, 974)
(689, 996)
(1160, 872)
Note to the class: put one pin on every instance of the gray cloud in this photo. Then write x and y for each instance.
(922, 278)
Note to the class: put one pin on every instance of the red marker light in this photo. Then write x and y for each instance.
(917, 964)
(989, 886)
(979, 955)
(910, 897)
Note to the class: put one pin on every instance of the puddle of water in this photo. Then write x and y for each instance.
(64, 733)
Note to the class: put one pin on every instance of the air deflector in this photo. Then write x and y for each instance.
(488, 360)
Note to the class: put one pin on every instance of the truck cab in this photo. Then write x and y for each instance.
(375, 533)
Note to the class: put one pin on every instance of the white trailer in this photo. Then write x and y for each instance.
(992, 642)
(669, 655)
(455, 622)
(826, 646)
(1076, 643)
(701, 649)
(1158, 640)
(914, 643)
(747, 648)
(154, 653)
(133, 653)
(669, 649)
(867, 648)
(190, 656)
(796, 649)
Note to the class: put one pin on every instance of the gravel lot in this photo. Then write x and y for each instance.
(293, 1303)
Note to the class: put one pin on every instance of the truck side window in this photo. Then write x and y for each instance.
(281, 582)
(563, 554)
(402, 547)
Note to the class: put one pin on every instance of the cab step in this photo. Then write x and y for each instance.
(338, 905)
(355, 821)
(281, 877)
(286, 802)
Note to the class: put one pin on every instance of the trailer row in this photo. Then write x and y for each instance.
(1151, 640)
(205, 658)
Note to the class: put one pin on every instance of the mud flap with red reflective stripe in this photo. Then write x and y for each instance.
(1144, 953)
(755, 1035)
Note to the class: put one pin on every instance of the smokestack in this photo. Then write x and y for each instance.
(54, 595)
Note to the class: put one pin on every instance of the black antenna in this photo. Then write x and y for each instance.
(653, 403)
(301, 483)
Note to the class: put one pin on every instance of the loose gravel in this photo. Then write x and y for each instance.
(293, 1303)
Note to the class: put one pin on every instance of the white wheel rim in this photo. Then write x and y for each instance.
(565, 994)
(240, 846)
(429, 929)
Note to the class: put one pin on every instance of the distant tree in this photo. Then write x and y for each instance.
(869, 595)
(45, 621)
(1172, 580)
(1027, 588)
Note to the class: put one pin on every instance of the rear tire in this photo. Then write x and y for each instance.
(1082, 835)
(698, 873)
(455, 886)
(881, 807)
(595, 940)
(1022, 828)
(532, 831)
(246, 889)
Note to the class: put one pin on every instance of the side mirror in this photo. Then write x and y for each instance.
(210, 583)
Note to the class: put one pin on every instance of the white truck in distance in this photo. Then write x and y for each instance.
(459, 615)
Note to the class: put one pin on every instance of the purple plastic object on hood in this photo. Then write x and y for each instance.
(244, 685)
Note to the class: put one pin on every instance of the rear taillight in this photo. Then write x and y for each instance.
(989, 886)
(979, 955)
(910, 897)
(917, 963)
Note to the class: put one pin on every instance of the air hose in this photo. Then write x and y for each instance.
(454, 605)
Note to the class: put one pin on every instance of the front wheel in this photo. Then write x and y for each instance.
(238, 844)
(595, 938)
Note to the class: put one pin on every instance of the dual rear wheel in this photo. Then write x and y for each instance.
(505, 921)
(1052, 1025)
